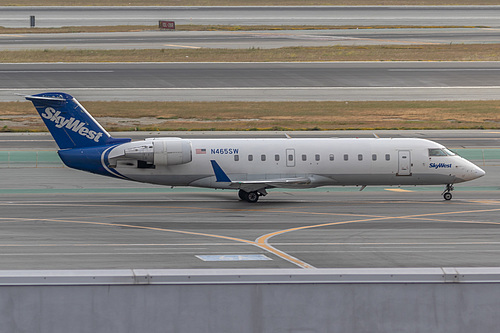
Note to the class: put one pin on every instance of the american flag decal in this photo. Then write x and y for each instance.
(201, 151)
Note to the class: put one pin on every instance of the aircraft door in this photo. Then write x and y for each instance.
(404, 162)
(290, 157)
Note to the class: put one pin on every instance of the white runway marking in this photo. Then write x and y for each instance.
(58, 71)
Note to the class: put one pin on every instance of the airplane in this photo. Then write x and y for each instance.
(250, 166)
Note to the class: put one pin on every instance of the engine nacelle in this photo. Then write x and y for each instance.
(168, 151)
(172, 152)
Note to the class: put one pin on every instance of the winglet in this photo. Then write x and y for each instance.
(220, 175)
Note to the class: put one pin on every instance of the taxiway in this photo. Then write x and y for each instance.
(318, 81)
(58, 218)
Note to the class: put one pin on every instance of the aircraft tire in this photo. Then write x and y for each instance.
(243, 195)
(252, 197)
(447, 196)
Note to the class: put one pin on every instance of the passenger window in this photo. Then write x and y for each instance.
(236, 158)
(360, 157)
(374, 157)
(331, 157)
(304, 157)
(277, 157)
(317, 157)
(346, 157)
(263, 158)
(250, 158)
(387, 157)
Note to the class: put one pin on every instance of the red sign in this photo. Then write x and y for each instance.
(167, 25)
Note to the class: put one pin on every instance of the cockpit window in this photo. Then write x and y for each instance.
(440, 152)
(449, 152)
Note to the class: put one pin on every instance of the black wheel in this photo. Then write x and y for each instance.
(447, 196)
(252, 197)
(243, 195)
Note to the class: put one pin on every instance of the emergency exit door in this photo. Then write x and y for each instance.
(404, 162)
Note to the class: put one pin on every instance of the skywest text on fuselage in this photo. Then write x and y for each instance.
(439, 165)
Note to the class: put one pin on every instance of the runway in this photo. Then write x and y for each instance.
(247, 39)
(320, 81)
(58, 218)
(14, 16)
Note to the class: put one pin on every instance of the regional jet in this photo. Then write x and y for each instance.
(250, 166)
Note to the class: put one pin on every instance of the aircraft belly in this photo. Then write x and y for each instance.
(210, 181)
(392, 179)
(164, 179)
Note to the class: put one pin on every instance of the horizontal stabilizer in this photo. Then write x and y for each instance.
(42, 98)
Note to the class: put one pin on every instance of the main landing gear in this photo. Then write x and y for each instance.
(447, 192)
(252, 196)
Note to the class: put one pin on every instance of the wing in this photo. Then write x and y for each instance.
(254, 185)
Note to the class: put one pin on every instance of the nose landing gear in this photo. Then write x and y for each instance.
(447, 192)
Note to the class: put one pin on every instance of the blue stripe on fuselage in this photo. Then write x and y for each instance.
(88, 159)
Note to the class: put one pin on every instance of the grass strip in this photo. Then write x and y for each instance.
(442, 52)
(254, 116)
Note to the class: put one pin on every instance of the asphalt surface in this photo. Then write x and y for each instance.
(256, 81)
(248, 15)
(247, 39)
(58, 218)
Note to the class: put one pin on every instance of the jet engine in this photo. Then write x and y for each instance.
(155, 152)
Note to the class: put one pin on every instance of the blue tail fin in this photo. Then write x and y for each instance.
(69, 123)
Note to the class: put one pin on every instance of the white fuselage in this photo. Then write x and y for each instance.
(331, 161)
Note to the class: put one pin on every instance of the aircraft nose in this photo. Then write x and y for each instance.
(479, 172)
(471, 171)
(474, 173)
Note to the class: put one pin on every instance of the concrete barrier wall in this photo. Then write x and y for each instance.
(294, 300)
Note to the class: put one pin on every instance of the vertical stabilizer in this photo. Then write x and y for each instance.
(69, 123)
